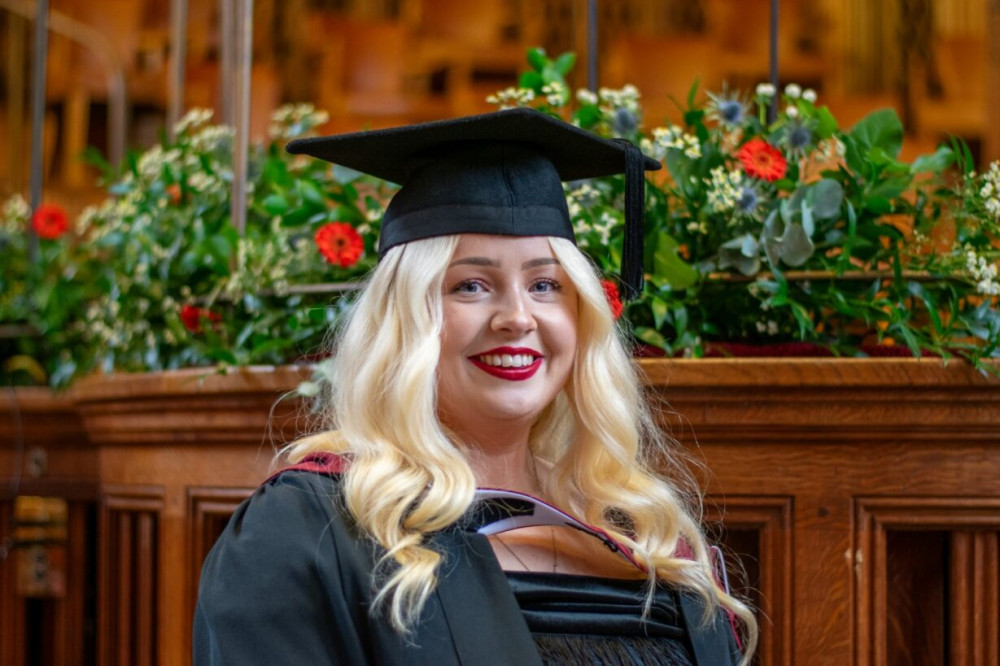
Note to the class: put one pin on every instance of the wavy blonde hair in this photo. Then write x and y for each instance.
(408, 477)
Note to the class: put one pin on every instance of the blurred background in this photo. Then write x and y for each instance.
(373, 63)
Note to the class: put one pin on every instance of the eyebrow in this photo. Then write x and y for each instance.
(483, 261)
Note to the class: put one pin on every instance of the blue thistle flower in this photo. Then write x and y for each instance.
(797, 137)
(747, 201)
(624, 122)
(728, 109)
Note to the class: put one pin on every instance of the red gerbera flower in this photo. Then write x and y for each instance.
(762, 160)
(340, 243)
(192, 317)
(614, 298)
(50, 221)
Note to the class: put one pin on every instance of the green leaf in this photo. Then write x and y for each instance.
(878, 205)
(826, 123)
(565, 63)
(879, 129)
(659, 309)
(937, 162)
(275, 205)
(537, 58)
(587, 116)
(532, 80)
(844, 261)
(669, 266)
(891, 187)
(651, 337)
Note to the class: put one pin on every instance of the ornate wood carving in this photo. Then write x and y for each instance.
(129, 568)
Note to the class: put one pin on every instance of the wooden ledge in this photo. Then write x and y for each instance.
(814, 372)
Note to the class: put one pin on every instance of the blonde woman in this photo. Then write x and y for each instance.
(480, 386)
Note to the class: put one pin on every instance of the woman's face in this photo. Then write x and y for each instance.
(509, 333)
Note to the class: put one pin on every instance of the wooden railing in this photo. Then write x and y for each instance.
(860, 497)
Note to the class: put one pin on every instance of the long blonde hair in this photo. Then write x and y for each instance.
(408, 478)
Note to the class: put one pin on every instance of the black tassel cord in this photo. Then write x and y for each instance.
(635, 208)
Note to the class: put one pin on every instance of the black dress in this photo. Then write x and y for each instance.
(290, 581)
(589, 621)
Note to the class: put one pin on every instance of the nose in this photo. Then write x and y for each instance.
(513, 315)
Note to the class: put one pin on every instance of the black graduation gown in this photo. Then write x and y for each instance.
(289, 581)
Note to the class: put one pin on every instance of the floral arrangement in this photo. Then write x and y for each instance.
(764, 235)
(169, 282)
(791, 234)
(41, 291)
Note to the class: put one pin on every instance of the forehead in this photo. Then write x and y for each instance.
(498, 248)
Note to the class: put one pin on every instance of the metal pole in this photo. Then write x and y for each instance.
(178, 62)
(226, 11)
(16, 29)
(241, 142)
(592, 44)
(773, 111)
(40, 48)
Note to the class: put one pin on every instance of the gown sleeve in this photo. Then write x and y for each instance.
(272, 589)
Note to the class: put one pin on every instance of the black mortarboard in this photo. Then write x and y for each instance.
(496, 173)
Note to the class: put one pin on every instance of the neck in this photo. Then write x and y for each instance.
(500, 460)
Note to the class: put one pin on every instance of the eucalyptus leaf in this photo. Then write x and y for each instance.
(742, 253)
(825, 198)
(796, 246)
(807, 220)
(771, 239)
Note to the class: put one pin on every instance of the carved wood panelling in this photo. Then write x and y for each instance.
(129, 538)
(757, 530)
(11, 614)
(975, 616)
(209, 509)
(950, 547)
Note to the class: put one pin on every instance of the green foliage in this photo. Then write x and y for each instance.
(845, 247)
(757, 232)
(160, 278)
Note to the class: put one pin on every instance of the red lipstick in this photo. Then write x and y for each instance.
(509, 373)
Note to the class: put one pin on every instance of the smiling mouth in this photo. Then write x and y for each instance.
(506, 360)
(512, 367)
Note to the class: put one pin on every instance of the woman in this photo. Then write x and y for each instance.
(480, 354)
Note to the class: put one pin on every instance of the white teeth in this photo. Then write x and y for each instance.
(507, 360)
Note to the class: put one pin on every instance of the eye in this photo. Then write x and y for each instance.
(469, 287)
(545, 286)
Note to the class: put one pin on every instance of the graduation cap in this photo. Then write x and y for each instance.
(495, 173)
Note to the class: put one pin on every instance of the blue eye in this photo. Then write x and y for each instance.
(545, 286)
(468, 287)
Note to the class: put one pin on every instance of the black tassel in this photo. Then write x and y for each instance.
(635, 208)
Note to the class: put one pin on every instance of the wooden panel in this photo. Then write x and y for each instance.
(209, 510)
(11, 609)
(970, 602)
(758, 531)
(975, 618)
(845, 483)
(916, 607)
(129, 568)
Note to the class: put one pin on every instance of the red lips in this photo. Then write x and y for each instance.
(509, 373)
